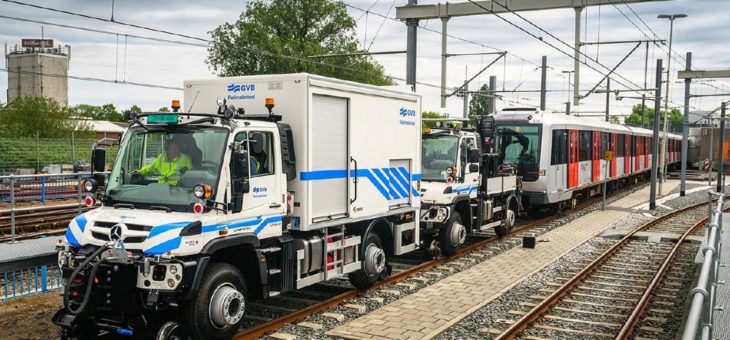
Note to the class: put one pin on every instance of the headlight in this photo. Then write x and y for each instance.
(442, 214)
(449, 171)
(89, 185)
(220, 101)
(203, 191)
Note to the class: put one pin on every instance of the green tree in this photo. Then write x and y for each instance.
(109, 112)
(86, 110)
(39, 116)
(300, 29)
(163, 109)
(479, 104)
(430, 114)
(134, 109)
(615, 120)
(675, 116)
(105, 112)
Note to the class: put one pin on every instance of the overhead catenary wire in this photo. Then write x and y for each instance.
(102, 80)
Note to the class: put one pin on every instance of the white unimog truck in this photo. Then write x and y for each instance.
(259, 186)
(464, 190)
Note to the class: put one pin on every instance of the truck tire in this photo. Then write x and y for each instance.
(507, 223)
(453, 235)
(217, 310)
(374, 263)
(171, 330)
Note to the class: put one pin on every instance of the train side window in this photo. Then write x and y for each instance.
(620, 148)
(585, 144)
(559, 148)
(604, 143)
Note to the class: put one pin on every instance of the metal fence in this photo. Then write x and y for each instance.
(27, 281)
(35, 154)
(701, 314)
(32, 194)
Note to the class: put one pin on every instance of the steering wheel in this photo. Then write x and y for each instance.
(137, 179)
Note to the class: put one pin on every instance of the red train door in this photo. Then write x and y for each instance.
(614, 139)
(596, 165)
(647, 151)
(639, 152)
(573, 166)
(627, 154)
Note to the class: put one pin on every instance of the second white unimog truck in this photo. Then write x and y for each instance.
(259, 186)
(464, 190)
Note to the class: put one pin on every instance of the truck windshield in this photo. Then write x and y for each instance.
(519, 144)
(438, 153)
(160, 168)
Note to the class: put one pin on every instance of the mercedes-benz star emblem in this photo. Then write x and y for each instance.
(116, 232)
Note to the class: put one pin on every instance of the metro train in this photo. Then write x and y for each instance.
(561, 158)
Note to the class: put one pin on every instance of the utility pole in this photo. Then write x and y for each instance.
(662, 163)
(444, 52)
(685, 127)
(567, 108)
(720, 175)
(576, 58)
(491, 99)
(543, 84)
(608, 96)
(655, 138)
(412, 45)
(466, 99)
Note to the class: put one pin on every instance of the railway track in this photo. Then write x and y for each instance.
(404, 267)
(37, 222)
(626, 290)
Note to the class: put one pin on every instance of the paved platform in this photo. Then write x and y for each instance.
(28, 253)
(428, 312)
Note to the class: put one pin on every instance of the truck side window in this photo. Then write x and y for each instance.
(463, 155)
(262, 153)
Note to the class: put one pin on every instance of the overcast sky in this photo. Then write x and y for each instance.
(99, 55)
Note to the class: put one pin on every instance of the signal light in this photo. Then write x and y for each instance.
(203, 191)
(89, 201)
(175, 105)
(270, 104)
(198, 208)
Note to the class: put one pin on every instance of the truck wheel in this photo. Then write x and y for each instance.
(217, 310)
(507, 223)
(453, 235)
(170, 331)
(374, 263)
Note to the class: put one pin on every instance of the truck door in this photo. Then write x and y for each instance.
(331, 197)
(573, 166)
(471, 179)
(264, 200)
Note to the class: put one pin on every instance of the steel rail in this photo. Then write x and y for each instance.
(275, 324)
(638, 311)
(543, 307)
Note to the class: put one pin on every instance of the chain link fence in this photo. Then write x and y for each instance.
(52, 155)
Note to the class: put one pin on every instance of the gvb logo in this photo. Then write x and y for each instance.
(246, 89)
(407, 117)
(241, 87)
(407, 112)
(258, 190)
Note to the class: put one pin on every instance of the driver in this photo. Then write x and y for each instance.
(169, 164)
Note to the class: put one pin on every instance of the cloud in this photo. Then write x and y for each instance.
(100, 55)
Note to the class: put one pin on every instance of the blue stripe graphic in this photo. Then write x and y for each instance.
(70, 238)
(164, 247)
(322, 174)
(405, 174)
(385, 181)
(81, 221)
(166, 227)
(392, 176)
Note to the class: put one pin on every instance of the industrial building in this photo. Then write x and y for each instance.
(38, 68)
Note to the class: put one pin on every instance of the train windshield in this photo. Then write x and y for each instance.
(519, 144)
(438, 154)
(160, 167)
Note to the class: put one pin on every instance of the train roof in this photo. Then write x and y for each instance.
(534, 116)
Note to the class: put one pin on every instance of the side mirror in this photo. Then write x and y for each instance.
(100, 179)
(98, 160)
(475, 156)
(473, 167)
(241, 171)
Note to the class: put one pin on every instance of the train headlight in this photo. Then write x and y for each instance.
(89, 185)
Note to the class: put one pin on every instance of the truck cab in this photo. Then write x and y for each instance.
(463, 188)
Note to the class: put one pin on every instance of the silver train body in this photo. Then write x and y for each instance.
(561, 158)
